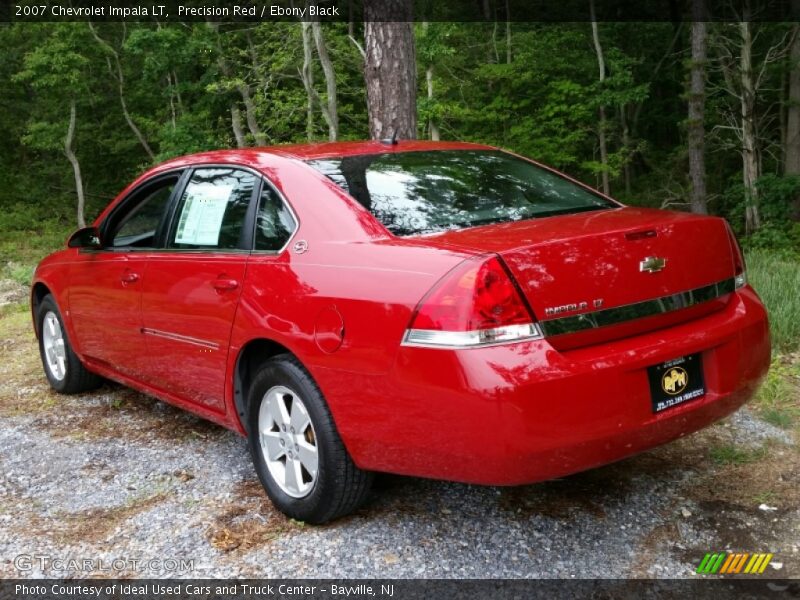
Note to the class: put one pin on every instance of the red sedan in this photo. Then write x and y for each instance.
(443, 310)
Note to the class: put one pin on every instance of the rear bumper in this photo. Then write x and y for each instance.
(520, 413)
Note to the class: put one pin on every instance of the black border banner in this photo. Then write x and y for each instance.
(395, 10)
(395, 589)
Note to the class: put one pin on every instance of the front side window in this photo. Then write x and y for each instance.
(274, 222)
(429, 191)
(137, 225)
(212, 210)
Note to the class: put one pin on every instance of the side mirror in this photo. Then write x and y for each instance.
(88, 237)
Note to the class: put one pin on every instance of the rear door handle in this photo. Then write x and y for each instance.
(130, 277)
(224, 285)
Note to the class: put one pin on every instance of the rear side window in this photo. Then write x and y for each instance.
(424, 192)
(274, 222)
(212, 210)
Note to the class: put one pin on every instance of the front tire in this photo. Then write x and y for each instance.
(297, 452)
(64, 370)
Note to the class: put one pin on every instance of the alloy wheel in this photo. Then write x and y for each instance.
(54, 350)
(288, 441)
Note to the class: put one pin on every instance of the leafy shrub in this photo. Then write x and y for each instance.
(779, 230)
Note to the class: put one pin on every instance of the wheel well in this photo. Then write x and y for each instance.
(252, 355)
(38, 294)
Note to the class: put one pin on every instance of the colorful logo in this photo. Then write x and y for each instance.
(674, 380)
(720, 563)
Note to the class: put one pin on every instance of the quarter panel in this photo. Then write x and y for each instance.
(375, 287)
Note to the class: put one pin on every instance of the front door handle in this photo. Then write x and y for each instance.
(224, 285)
(130, 277)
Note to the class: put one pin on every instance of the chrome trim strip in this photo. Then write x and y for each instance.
(181, 338)
(638, 310)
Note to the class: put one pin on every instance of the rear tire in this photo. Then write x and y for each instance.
(64, 370)
(295, 446)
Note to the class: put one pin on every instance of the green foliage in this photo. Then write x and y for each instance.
(777, 397)
(776, 197)
(732, 454)
(776, 278)
(180, 83)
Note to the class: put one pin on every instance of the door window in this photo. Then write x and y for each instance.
(213, 209)
(274, 222)
(136, 224)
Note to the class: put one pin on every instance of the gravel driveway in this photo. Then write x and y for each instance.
(117, 475)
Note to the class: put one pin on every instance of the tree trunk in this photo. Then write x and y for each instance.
(177, 89)
(508, 34)
(697, 106)
(69, 150)
(601, 131)
(236, 124)
(351, 25)
(121, 88)
(250, 115)
(626, 145)
(433, 128)
(249, 103)
(750, 170)
(173, 114)
(307, 75)
(792, 145)
(136, 131)
(244, 92)
(487, 16)
(390, 70)
(331, 113)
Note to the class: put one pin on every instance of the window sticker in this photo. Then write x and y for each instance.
(203, 211)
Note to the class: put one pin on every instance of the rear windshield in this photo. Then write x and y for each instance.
(425, 192)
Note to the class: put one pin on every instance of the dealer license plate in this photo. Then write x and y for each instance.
(676, 382)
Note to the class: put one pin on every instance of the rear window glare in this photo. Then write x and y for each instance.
(430, 191)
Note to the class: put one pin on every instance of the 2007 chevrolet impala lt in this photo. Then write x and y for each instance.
(444, 310)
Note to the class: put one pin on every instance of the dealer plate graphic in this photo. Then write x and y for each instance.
(676, 381)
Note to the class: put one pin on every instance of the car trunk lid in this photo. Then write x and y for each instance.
(605, 269)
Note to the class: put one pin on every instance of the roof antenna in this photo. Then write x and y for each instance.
(392, 141)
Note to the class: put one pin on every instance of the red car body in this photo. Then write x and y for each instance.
(341, 296)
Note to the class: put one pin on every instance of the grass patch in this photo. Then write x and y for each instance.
(731, 454)
(765, 497)
(23, 387)
(776, 278)
(24, 242)
(14, 309)
(21, 273)
(778, 399)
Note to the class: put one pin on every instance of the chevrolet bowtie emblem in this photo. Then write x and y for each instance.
(652, 264)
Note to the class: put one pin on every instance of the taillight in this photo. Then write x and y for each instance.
(740, 268)
(476, 303)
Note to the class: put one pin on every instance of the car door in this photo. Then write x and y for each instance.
(106, 284)
(192, 288)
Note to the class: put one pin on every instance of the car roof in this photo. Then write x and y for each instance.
(330, 149)
(312, 151)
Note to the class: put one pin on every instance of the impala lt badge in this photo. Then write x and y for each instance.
(652, 264)
(552, 311)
